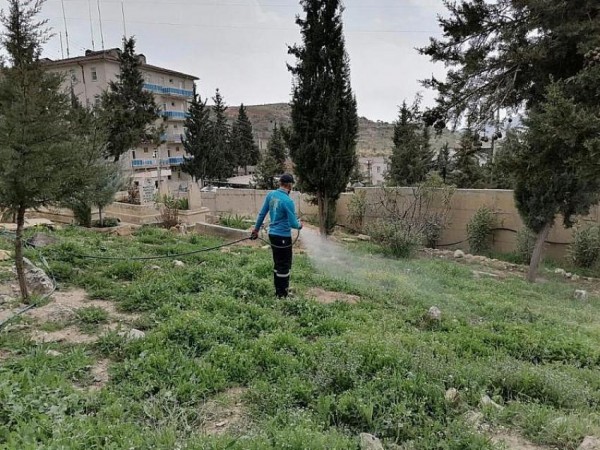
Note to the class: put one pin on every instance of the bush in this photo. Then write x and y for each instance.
(109, 222)
(237, 221)
(396, 238)
(357, 209)
(525, 244)
(169, 210)
(92, 315)
(585, 249)
(479, 231)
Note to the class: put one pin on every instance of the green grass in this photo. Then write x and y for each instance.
(313, 376)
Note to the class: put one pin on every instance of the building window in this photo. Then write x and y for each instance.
(172, 103)
(96, 100)
(169, 177)
(136, 183)
(175, 126)
(171, 80)
(94, 74)
(177, 149)
(73, 76)
(164, 106)
(145, 149)
(133, 154)
(168, 153)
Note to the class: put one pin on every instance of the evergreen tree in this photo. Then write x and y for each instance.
(222, 159)
(39, 156)
(412, 157)
(197, 141)
(272, 163)
(443, 162)
(129, 111)
(242, 139)
(467, 173)
(507, 54)
(324, 130)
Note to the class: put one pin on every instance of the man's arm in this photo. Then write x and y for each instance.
(291, 214)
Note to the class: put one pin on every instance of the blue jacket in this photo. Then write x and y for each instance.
(282, 213)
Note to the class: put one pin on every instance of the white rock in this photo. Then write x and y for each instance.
(154, 267)
(53, 353)
(370, 442)
(581, 295)
(4, 255)
(177, 263)
(459, 254)
(568, 275)
(36, 279)
(133, 334)
(451, 395)
(575, 278)
(487, 401)
(434, 313)
(590, 443)
(562, 272)
(363, 237)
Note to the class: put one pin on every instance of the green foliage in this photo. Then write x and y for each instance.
(412, 156)
(272, 162)
(525, 244)
(395, 238)
(466, 171)
(322, 140)
(129, 112)
(107, 222)
(235, 221)
(585, 249)
(244, 149)
(222, 162)
(357, 208)
(480, 231)
(443, 162)
(169, 209)
(197, 142)
(91, 315)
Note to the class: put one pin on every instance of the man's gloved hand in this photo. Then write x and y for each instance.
(254, 234)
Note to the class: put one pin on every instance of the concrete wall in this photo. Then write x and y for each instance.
(464, 204)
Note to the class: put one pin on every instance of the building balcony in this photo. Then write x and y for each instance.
(172, 138)
(153, 163)
(174, 115)
(163, 90)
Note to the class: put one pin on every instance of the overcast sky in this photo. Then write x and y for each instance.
(240, 47)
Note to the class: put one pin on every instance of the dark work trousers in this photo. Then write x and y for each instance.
(282, 262)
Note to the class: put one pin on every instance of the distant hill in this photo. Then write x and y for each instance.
(374, 137)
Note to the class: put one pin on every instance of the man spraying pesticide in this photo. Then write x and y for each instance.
(282, 212)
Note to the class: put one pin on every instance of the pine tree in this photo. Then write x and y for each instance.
(129, 111)
(222, 158)
(322, 140)
(412, 157)
(443, 162)
(197, 141)
(39, 156)
(272, 163)
(242, 139)
(467, 173)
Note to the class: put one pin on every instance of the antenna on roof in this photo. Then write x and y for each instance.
(66, 29)
(62, 50)
(100, 18)
(124, 27)
(91, 24)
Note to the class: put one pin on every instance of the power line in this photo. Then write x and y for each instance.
(248, 27)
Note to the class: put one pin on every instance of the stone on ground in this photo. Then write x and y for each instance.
(434, 314)
(53, 353)
(487, 401)
(41, 240)
(134, 335)
(177, 263)
(4, 255)
(370, 442)
(38, 283)
(590, 443)
(452, 395)
(363, 237)
(459, 254)
(581, 295)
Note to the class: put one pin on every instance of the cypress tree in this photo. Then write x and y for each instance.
(197, 141)
(242, 139)
(129, 111)
(272, 163)
(39, 144)
(442, 163)
(322, 139)
(222, 158)
(412, 157)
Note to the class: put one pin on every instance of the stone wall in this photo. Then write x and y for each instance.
(465, 203)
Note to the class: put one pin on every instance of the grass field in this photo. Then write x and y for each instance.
(225, 365)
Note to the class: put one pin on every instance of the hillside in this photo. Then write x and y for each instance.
(374, 139)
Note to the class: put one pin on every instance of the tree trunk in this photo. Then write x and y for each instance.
(19, 254)
(537, 252)
(100, 218)
(323, 206)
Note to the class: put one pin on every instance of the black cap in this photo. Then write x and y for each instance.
(286, 178)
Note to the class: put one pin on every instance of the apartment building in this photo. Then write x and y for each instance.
(373, 170)
(89, 76)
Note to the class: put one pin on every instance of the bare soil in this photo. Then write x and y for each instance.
(329, 297)
(514, 442)
(225, 414)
